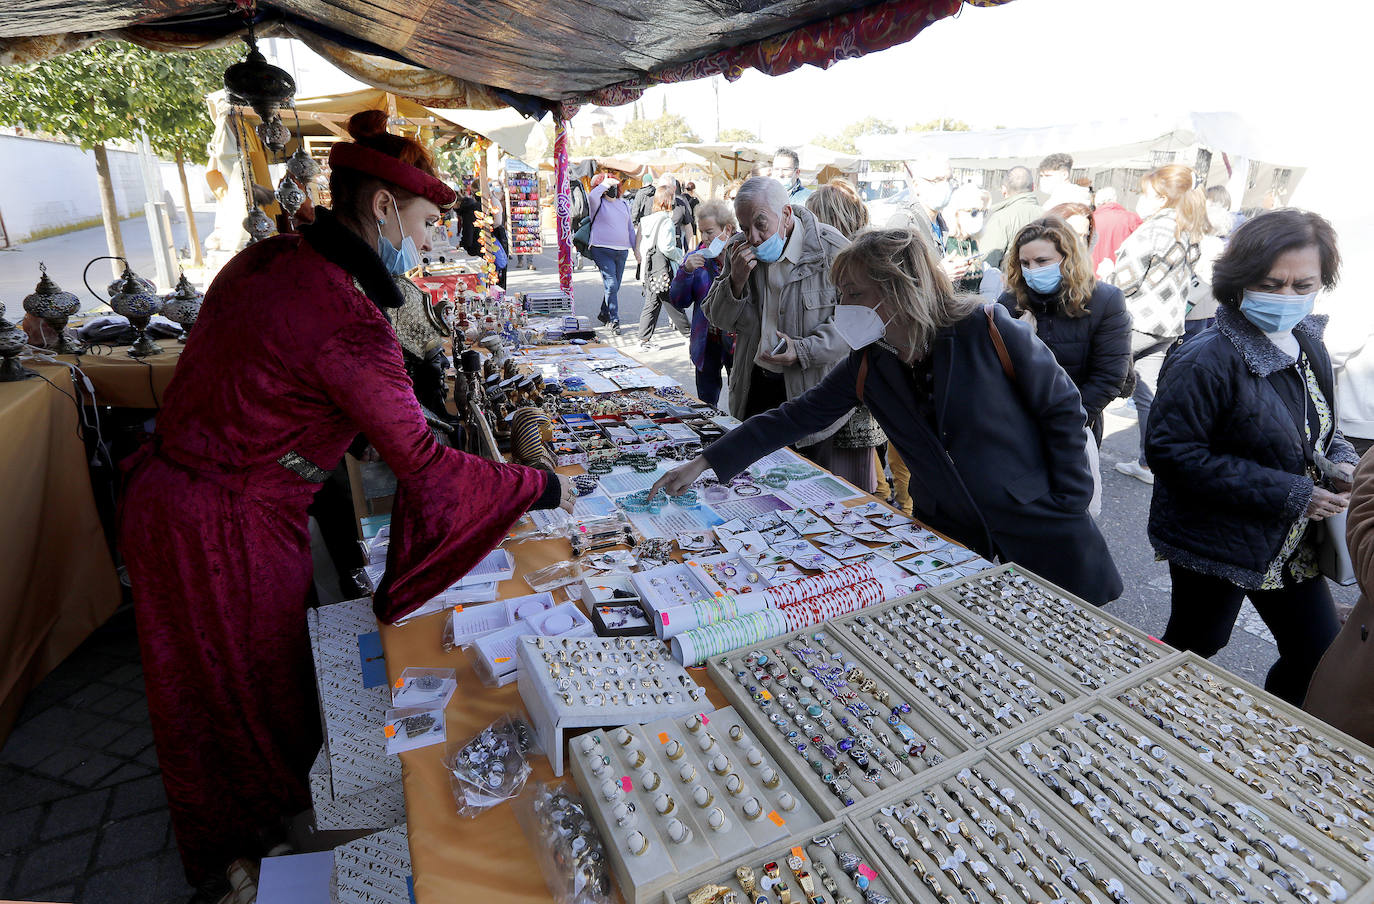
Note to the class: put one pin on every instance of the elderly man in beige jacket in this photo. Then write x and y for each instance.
(774, 292)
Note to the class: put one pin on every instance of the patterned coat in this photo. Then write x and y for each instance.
(1154, 270)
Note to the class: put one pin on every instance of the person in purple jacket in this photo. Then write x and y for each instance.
(711, 349)
(614, 237)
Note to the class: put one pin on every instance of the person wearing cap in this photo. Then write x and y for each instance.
(292, 360)
(613, 237)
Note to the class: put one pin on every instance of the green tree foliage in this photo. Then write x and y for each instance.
(940, 125)
(845, 141)
(738, 135)
(639, 135)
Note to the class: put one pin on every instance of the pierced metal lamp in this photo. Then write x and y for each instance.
(54, 307)
(13, 340)
(133, 301)
(182, 306)
(256, 83)
(289, 195)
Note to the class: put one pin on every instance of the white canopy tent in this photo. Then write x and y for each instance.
(734, 159)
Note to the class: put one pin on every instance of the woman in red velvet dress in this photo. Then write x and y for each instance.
(291, 360)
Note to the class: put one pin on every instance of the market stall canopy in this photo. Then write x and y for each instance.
(1099, 144)
(735, 158)
(530, 55)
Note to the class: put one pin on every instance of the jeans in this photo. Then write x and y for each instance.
(709, 379)
(610, 262)
(1148, 361)
(1300, 615)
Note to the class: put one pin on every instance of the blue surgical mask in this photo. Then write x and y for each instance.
(397, 261)
(1044, 280)
(771, 249)
(714, 249)
(1274, 313)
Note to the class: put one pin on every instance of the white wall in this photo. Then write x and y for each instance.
(50, 184)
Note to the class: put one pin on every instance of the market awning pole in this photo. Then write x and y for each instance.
(563, 201)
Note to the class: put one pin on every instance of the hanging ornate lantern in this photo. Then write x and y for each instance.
(13, 341)
(114, 287)
(303, 166)
(133, 301)
(274, 133)
(182, 306)
(256, 83)
(289, 195)
(258, 225)
(54, 307)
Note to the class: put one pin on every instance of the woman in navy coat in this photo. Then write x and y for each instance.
(996, 448)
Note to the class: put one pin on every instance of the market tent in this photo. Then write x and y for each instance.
(734, 159)
(1099, 144)
(531, 55)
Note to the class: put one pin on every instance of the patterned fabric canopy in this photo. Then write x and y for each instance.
(531, 54)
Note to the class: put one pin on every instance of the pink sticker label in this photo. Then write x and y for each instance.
(664, 616)
(867, 872)
(705, 720)
(626, 784)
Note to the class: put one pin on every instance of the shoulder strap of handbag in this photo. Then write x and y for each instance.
(862, 377)
(600, 203)
(997, 341)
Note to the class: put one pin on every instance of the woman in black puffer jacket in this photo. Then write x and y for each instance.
(1048, 273)
(1246, 453)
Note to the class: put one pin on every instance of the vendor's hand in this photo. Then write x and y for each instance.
(1325, 503)
(680, 479)
(693, 262)
(567, 494)
(788, 356)
(743, 260)
(1346, 481)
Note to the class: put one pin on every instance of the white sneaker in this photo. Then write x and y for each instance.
(1137, 470)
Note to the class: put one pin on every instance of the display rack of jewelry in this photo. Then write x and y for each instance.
(1318, 774)
(597, 681)
(1078, 639)
(830, 864)
(682, 794)
(1188, 831)
(953, 668)
(970, 832)
(846, 737)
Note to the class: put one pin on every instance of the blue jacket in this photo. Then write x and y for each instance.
(1004, 469)
(690, 289)
(1227, 448)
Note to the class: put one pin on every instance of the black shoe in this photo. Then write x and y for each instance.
(615, 326)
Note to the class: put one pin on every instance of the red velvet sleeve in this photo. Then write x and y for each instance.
(451, 508)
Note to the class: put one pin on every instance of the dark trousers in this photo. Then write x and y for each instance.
(709, 379)
(1300, 615)
(767, 391)
(648, 315)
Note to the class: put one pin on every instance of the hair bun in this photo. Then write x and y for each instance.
(367, 124)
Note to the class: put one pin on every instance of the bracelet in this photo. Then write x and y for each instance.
(584, 484)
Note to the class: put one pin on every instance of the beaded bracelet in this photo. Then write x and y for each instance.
(584, 484)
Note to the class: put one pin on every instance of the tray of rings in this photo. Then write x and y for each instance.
(1189, 831)
(983, 683)
(831, 865)
(971, 831)
(848, 736)
(1281, 753)
(1077, 639)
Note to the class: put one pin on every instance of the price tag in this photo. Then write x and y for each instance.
(777, 820)
(626, 784)
(705, 719)
(500, 659)
(798, 853)
(867, 872)
(664, 616)
(663, 737)
(389, 731)
(458, 608)
(766, 695)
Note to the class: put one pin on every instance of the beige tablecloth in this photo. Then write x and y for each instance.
(121, 381)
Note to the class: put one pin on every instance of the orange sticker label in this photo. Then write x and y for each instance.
(458, 608)
(663, 737)
(389, 731)
(777, 820)
(798, 853)
(766, 695)
(500, 659)
(400, 682)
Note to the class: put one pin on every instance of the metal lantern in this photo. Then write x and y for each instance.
(274, 133)
(54, 307)
(139, 305)
(258, 225)
(182, 306)
(13, 341)
(113, 287)
(303, 166)
(289, 195)
(256, 83)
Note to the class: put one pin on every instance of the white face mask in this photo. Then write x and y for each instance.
(1149, 205)
(935, 195)
(714, 249)
(859, 326)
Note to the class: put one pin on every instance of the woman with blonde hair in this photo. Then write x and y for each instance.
(1050, 284)
(989, 424)
(1154, 270)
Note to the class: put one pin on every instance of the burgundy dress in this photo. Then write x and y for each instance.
(291, 359)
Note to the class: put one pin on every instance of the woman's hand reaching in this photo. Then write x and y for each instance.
(680, 479)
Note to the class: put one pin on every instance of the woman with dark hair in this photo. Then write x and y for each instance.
(213, 526)
(658, 248)
(995, 445)
(1248, 458)
(1049, 279)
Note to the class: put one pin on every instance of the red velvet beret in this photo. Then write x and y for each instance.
(354, 156)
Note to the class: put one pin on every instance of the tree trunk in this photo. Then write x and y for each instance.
(108, 211)
(192, 234)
